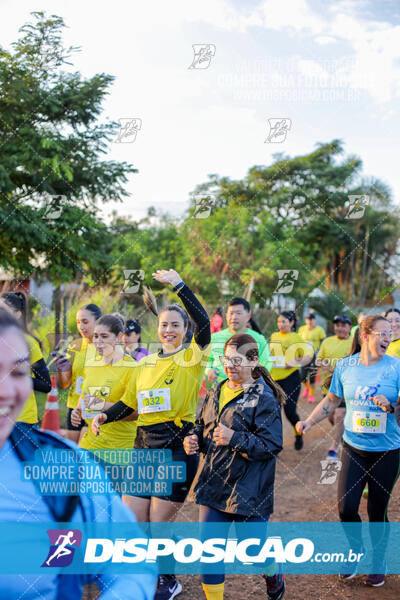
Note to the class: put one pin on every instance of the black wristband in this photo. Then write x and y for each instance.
(179, 286)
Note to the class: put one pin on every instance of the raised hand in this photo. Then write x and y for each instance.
(170, 276)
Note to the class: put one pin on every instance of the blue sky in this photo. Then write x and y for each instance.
(332, 68)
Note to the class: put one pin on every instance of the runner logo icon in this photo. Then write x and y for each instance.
(62, 547)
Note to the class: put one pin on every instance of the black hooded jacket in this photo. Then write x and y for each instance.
(239, 478)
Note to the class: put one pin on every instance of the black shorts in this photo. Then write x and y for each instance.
(71, 427)
(169, 436)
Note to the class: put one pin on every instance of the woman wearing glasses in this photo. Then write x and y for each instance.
(393, 316)
(239, 434)
(369, 382)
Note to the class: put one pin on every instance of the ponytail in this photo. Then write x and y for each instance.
(356, 345)
(18, 302)
(261, 371)
(253, 325)
(150, 300)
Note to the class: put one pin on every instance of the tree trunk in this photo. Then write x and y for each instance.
(368, 278)
(352, 273)
(364, 267)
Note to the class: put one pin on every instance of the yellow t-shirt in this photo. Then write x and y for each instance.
(394, 348)
(333, 349)
(79, 351)
(177, 379)
(29, 413)
(109, 382)
(226, 395)
(314, 335)
(290, 346)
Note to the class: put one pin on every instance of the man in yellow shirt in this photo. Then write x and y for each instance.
(332, 349)
(313, 335)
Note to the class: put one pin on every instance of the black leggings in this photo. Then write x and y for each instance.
(291, 386)
(309, 372)
(380, 470)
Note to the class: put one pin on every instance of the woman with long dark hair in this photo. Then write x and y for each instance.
(239, 435)
(17, 303)
(174, 376)
(105, 381)
(71, 367)
(368, 380)
(289, 352)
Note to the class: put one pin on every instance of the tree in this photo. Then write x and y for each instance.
(311, 196)
(52, 172)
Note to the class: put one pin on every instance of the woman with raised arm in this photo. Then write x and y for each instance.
(163, 392)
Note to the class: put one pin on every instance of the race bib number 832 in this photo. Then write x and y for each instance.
(150, 401)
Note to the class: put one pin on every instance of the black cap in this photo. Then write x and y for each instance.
(341, 319)
(132, 325)
(310, 316)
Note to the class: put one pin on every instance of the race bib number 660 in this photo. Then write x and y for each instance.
(373, 422)
(150, 401)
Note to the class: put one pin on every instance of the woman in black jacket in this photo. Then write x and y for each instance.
(239, 434)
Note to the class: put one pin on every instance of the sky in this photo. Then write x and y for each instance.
(332, 69)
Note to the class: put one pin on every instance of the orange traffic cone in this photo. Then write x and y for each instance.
(51, 417)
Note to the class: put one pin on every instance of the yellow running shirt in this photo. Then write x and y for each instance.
(314, 335)
(78, 352)
(226, 395)
(30, 413)
(166, 388)
(109, 382)
(288, 346)
(332, 349)
(394, 348)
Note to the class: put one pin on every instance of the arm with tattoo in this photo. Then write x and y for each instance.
(325, 408)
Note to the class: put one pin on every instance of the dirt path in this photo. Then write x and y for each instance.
(297, 479)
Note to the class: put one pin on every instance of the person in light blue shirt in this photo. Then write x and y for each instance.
(21, 502)
(368, 380)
